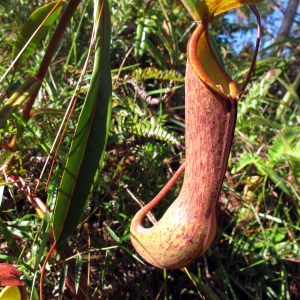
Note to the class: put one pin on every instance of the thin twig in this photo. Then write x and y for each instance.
(149, 215)
(206, 267)
(122, 64)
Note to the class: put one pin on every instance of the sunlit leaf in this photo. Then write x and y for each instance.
(44, 17)
(207, 9)
(89, 141)
(19, 96)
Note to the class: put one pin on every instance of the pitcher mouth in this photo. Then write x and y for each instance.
(206, 64)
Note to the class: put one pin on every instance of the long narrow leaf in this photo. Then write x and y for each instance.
(26, 90)
(88, 145)
(9, 239)
(38, 24)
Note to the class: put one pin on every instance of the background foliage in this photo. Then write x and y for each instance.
(256, 251)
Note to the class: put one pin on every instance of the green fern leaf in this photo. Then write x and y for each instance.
(256, 120)
(282, 143)
(147, 130)
(247, 158)
(153, 73)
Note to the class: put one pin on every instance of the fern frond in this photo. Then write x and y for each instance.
(263, 167)
(256, 121)
(246, 158)
(288, 156)
(293, 157)
(6, 157)
(147, 130)
(153, 73)
(282, 143)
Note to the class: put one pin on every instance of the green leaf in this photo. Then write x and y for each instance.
(35, 29)
(291, 89)
(207, 9)
(132, 254)
(28, 88)
(89, 141)
(142, 36)
(112, 233)
(153, 73)
(244, 160)
(282, 143)
(256, 120)
(78, 268)
(147, 130)
(155, 53)
(9, 239)
(265, 169)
